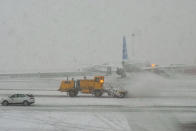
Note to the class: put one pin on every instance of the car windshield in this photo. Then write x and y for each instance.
(30, 95)
(11, 96)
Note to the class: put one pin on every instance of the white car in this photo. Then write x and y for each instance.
(25, 99)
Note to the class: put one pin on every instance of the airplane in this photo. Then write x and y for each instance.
(139, 65)
(133, 64)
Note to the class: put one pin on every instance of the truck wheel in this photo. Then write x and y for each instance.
(72, 93)
(122, 95)
(26, 103)
(109, 94)
(98, 93)
(5, 103)
(76, 93)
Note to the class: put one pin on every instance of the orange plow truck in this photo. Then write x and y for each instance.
(88, 86)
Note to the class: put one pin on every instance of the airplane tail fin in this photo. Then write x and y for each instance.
(125, 55)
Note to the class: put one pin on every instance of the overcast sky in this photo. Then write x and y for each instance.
(64, 35)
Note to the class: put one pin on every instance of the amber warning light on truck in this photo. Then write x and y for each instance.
(101, 81)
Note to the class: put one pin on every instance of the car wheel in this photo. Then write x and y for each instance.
(26, 103)
(5, 103)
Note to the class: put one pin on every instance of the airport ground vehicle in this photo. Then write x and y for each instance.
(89, 86)
(25, 99)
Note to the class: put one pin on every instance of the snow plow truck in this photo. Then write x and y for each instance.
(88, 86)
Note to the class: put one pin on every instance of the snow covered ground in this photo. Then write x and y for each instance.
(154, 103)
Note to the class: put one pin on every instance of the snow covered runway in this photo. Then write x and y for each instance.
(54, 111)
